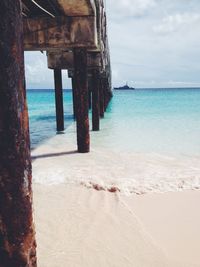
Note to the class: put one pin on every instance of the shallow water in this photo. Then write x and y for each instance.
(153, 120)
(149, 142)
(41, 106)
(159, 121)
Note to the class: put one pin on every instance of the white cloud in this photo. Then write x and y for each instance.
(173, 23)
(139, 54)
(37, 73)
(35, 69)
(131, 7)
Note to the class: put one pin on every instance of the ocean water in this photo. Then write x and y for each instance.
(42, 115)
(149, 142)
(163, 121)
(154, 120)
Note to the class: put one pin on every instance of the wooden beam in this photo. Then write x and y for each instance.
(94, 60)
(81, 94)
(59, 100)
(17, 234)
(77, 7)
(65, 60)
(60, 59)
(45, 33)
(95, 100)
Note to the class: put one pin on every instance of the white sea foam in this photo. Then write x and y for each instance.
(56, 162)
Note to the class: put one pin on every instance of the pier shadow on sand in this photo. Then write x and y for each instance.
(51, 155)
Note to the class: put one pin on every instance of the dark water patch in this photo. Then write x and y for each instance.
(68, 117)
(42, 114)
(46, 118)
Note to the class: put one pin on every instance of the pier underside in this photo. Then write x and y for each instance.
(73, 33)
(61, 28)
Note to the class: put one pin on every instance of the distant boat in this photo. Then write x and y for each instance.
(125, 87)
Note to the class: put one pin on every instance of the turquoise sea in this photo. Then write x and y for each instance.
(42, 119)
(144, 120)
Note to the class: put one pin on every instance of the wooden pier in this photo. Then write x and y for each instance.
(75, 38)
(74, 35)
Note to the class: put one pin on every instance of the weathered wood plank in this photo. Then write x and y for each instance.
(65, 60)
(59, 33)
(60, 59)
(77, 7)
(17, 234)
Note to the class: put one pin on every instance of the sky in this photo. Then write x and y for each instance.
(153, 43)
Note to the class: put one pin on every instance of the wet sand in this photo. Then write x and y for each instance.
(139, 226)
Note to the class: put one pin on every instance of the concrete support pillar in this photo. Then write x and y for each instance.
(89, 90)
(101, 99)
(105, 85)
(81, 95)
(74, 97)
(95, 100)
(59, 100)
(17, 234)
(107, 93)
(89, 96)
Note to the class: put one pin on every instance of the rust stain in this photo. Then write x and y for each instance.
(17, 234)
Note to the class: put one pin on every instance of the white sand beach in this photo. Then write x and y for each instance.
(84, 227)
(142, 224)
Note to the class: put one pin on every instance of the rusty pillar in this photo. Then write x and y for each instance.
(59, 100)
(81, 95)
(105, 89)
(89, 90)
(74, 97)
(95, 100)
(101, 99)
(107, 93)
(17, 234)
(90, 99)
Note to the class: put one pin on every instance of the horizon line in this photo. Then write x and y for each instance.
(137, 88)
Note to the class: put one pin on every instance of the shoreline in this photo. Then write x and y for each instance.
(57, 161)
(77, 225)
